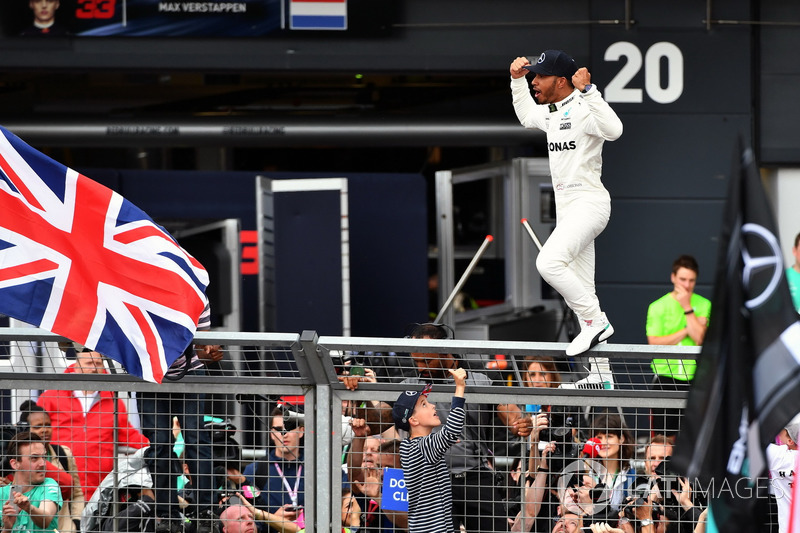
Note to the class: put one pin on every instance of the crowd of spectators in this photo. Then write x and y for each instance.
(513, 467)
(575, 467)
(569, 467)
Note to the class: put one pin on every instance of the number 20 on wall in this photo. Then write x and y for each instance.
(618, 90)
(95, 9)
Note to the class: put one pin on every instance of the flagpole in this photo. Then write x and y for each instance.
(464, 276)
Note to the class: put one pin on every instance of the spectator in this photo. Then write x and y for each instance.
(535, 495)
(32, 502)
(560, 429)
(422, 455)
(680, 317)
(476, 499)
(657, 451)
(364, 466)
(583, 495)
(351, 512)
(375, 517)
(793, 274)
(701, 522)
(614, 451)
(90, 422)
(781, 461)
(673, 494)
(157, 411)
(351, 376)
(237, 519)
(137, 514)
(280, 476)
(60, 466)
(129, 483)
(568, 522)
(362, 455)
(477, 503)
(389, 454)
(350, 517)
(541, 372)
(378, 416)
(637, 516)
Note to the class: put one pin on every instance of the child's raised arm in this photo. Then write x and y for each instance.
(460, 377)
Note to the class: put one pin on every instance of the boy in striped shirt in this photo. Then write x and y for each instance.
(427, 480)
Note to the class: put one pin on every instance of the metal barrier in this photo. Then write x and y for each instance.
(305, 374)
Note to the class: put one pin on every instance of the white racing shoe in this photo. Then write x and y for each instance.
(599, 378)
(592, 333)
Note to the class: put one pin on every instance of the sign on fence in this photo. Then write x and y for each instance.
(395, 496)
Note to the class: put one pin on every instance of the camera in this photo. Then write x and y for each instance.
(230, 498)
(350, 362)
(641, 487)
(666, 481)
(292, 421)
(629, 511)
(513, 506)
(559, 430)
(560, 424)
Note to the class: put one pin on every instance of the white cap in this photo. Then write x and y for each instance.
(793, 428)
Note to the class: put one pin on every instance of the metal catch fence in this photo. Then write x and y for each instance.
(299, 428)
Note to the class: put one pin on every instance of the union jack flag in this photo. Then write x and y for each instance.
(79, 260)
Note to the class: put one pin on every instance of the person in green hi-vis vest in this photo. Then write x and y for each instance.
(680, 317)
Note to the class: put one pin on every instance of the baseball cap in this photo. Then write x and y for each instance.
(554, 63)
(404, 406)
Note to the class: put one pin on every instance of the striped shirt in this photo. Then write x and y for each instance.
(472, 451)
(203, 324)
(430, 496)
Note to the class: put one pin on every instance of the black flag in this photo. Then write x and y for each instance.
(747, 385)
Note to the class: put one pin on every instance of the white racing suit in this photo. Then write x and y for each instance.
(576, 129)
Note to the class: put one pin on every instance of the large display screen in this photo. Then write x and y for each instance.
(166, 18)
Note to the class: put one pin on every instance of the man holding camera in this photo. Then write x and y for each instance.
(280, 476)
(656, 453)
(669, 494)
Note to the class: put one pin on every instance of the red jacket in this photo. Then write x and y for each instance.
(90, 437)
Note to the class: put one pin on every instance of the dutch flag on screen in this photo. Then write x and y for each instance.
(318, 14)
